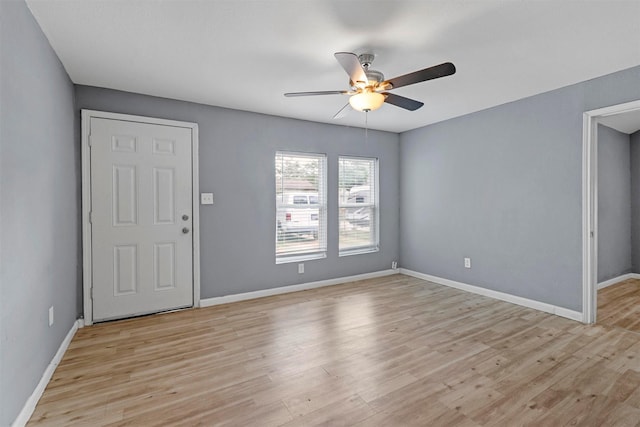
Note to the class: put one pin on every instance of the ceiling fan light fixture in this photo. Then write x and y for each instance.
(367, 101)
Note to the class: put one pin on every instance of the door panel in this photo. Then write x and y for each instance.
(125, 269)
(164, 265)
(163, 202)
(125, 195)
(141, 192)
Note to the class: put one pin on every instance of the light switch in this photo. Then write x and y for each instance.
(206, 198)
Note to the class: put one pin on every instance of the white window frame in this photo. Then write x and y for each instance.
(375, 245)
(322, 211)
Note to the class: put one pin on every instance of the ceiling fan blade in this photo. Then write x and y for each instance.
(430, 73)
(324, 92)
(342, 112)
(402, 102)
(352, 66)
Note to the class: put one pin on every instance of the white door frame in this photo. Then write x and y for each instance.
(87, 275)
(590, 203)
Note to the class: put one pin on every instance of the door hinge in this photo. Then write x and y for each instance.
(91, 292)
(90, 217)
(89, 140)
(591, 233)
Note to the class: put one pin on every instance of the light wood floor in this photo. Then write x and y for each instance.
(619, 305)
(392, 351)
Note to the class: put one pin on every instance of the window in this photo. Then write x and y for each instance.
(358, 205)
(301, 206)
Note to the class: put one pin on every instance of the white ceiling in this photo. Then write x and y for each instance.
(628, 122)
(245, 54)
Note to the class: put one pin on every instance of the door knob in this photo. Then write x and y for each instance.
(185, 217)
(185, 230)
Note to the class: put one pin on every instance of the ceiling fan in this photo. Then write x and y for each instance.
(368, 88)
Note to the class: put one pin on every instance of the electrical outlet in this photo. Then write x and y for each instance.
(394, 265)
(51, 316)
(300, 268)
(467, 263)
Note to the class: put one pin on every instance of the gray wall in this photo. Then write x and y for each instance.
(634, 139)
(504, 187)
(39, 206)
(237, 152)
(614, 203)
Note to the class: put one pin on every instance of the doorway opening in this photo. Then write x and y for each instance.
(626, 118)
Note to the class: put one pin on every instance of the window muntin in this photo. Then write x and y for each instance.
(358, 213)
(301, 207)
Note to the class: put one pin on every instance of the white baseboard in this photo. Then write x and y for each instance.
(30, 404)
(208, 302)
(525, 302)
(618, 279)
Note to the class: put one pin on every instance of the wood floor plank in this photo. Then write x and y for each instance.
(619, 305)
(381, 352)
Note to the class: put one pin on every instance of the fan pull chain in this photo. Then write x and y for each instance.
(366, 127)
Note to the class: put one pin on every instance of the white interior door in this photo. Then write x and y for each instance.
(141, 218)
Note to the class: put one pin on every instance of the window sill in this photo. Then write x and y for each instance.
(359, 251)
(300, 258)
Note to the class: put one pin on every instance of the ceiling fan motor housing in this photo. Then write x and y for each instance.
(374, 76)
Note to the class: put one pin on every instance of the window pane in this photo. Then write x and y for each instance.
(300, 206)
(355, 227)
(358, 205)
